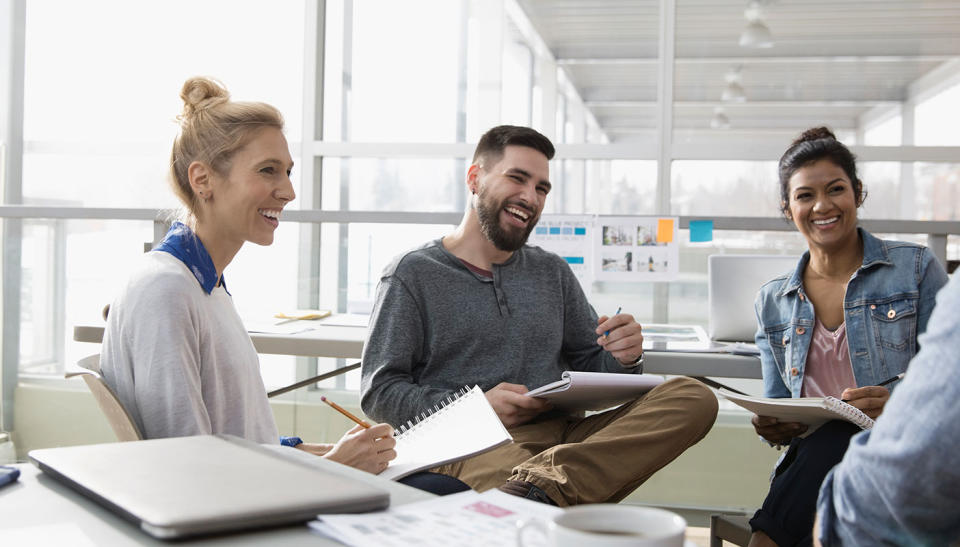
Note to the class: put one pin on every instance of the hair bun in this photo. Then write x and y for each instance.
(200, 93)
(814, 133)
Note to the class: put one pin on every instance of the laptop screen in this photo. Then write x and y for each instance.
(733, 284)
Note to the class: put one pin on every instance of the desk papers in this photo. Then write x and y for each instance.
(467, 519)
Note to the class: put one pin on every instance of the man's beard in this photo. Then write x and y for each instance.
(489, 216)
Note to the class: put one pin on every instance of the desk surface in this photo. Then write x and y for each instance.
(347, 342)
(41, 503)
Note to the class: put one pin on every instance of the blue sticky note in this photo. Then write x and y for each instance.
(541, 230)
(573, 259)
(567, 231)
(579, 231)
(701, 230)
(555, 230)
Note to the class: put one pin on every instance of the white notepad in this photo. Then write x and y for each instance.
(462, 426)
(595, 390)
(813, 411)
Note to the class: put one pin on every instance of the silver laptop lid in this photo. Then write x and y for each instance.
(187, 486)
(733, 284)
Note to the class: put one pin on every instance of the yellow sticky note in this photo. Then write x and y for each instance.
(665, 230)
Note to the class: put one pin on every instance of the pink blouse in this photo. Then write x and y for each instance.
(828, 370)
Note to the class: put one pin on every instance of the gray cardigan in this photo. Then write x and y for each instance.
(437, 326)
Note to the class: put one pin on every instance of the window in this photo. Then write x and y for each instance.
(404, 91)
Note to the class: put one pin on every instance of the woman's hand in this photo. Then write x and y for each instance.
(869, 399)
(775, 431)
(369, 450)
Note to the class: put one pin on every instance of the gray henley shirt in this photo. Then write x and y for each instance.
(437, 327)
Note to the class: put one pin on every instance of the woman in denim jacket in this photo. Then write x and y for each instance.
(844, 321)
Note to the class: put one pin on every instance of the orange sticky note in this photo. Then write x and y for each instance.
(665, 230)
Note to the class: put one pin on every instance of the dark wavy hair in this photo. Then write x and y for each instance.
(813, 145)
(493, 142)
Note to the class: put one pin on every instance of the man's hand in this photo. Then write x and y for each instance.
(366, 449)
(869, 399)
(625, 338)
(775, 431)
(512, 406)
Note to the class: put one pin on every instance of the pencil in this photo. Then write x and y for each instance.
(343, 411)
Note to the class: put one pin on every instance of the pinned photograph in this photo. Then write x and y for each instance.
(618, 235)
(652, 263)
(646, 235)
(617, 263)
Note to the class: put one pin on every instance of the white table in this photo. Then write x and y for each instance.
(322, 341)
(334, 340)
(37, 500)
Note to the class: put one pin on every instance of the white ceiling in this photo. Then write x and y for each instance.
(833, 60)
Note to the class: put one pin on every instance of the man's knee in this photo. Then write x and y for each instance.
(697, 399)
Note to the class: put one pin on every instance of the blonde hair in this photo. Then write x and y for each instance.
(212, 129)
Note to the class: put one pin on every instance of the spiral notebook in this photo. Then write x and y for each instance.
(813, 411)
(461, 426)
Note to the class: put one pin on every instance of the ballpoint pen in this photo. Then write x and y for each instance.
(885, 382)
(891, 380)
(607, 333)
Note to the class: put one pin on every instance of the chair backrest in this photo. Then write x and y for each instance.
(119, 419)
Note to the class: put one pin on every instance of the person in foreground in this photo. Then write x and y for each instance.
(480, 307)
(899, 483)
(845, 320)
(175, 350)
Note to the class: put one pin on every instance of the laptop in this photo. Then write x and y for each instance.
(733, 283)
(187, 486)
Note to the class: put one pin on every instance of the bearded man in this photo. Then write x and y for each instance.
(479, 306)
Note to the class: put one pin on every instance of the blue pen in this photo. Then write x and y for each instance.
(607, 333)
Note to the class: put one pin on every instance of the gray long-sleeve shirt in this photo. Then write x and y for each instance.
(437, 326)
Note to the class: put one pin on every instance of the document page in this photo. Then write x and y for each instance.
(466, 519)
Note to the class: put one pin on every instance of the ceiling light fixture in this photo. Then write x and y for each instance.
(734, 92)
(720, 119)
(757, 33)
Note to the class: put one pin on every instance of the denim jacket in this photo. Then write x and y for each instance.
(887, 304)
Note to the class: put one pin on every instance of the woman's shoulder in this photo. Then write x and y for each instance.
(159, 279)
(774, 288)
(908, 256)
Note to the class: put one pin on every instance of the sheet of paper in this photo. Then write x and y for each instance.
(465, 519)
(571, 237)
(636, 249)
(271, 325)
(345, 320)
(62, 533)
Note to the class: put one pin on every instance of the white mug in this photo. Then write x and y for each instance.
(609, 525)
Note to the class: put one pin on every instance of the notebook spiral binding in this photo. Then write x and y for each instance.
(412, 425)
(852, 413)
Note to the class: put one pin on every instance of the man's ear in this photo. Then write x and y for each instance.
(199, 175)
(473, 178)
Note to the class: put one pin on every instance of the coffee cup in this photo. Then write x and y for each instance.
(608, 525)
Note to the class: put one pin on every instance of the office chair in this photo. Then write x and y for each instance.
(119, 419)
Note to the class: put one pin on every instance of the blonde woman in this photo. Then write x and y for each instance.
(175, 350)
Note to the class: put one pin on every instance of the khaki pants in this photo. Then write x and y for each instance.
(600, 458)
